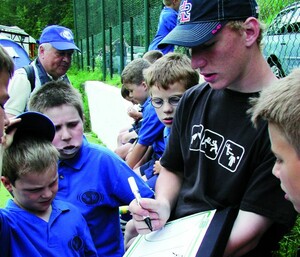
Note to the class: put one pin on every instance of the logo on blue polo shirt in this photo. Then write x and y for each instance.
(90, 197)
(76, 243)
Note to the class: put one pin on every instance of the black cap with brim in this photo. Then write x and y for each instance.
(33, 124)
(200, 21)
(192, 34)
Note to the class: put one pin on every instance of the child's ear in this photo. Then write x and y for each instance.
(6, 183)
(144, 85)
(252, 30)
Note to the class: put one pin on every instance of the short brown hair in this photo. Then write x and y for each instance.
(153, 55)
(239, 26)
(171, 68)
(279, 104)
(133, 72)
(54, 94)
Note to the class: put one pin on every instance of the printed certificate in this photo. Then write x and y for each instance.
(178, 238)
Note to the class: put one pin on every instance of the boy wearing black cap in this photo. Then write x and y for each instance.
(31, 223)
(56, 46)
(215, 158)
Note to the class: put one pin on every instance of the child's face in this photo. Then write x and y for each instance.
(69, 130)
(33, 191)
(287, 166)
(168, 99)
(139, 93)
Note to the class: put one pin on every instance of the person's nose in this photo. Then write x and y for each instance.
(197, 60)
(47, 193)
(65, 134)
(276, 171)
(167, 107)
(67, 58)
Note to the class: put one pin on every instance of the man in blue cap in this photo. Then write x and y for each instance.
(56, 46)
(215, 158)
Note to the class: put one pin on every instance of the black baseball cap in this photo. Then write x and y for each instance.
(199, 20)
(33, 124)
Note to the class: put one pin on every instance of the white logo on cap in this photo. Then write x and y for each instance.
(66, 34)
(185, 9)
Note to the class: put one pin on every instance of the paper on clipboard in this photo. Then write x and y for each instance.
(178, 238)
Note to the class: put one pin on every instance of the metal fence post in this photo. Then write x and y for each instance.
(93, 53)
(76, 33)
(87, 34)
(131, 38)
(121, 36)
(103, 40)
(110, 53)
(147, 27)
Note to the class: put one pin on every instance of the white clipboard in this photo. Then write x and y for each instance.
(178, 238)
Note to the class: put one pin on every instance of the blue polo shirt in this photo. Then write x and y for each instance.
(167, 22)
(167, 132)
(96, 181)
(151, 131)
(24, 234)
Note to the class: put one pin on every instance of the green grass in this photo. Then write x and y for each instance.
(4, 196)
(289, 245)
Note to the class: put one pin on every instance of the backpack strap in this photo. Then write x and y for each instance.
(30, 75)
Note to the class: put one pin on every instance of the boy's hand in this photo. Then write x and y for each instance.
(157, 211)
(8, 136)
(156, 167)
(133, 113)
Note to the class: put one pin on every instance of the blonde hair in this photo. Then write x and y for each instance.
(279, 104)
(28, 155)
(239, 26)
(171, 68)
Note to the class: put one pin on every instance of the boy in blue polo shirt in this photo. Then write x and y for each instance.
(151, 132)
(167, 79)
(167, 22)
(90, 176)
(32, 222)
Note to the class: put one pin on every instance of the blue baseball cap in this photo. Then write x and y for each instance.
(33, 124)
(198, 21)
(59, 37)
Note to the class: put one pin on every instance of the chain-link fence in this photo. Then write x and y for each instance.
(107, 30)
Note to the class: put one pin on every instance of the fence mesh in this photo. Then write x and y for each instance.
(106, 30)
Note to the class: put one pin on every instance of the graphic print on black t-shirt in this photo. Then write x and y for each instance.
(211, 145)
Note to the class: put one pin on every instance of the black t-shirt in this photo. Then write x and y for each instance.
(224, 160)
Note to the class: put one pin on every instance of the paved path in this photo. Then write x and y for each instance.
(108, 111)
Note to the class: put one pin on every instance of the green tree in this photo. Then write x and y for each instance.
(34, 15)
